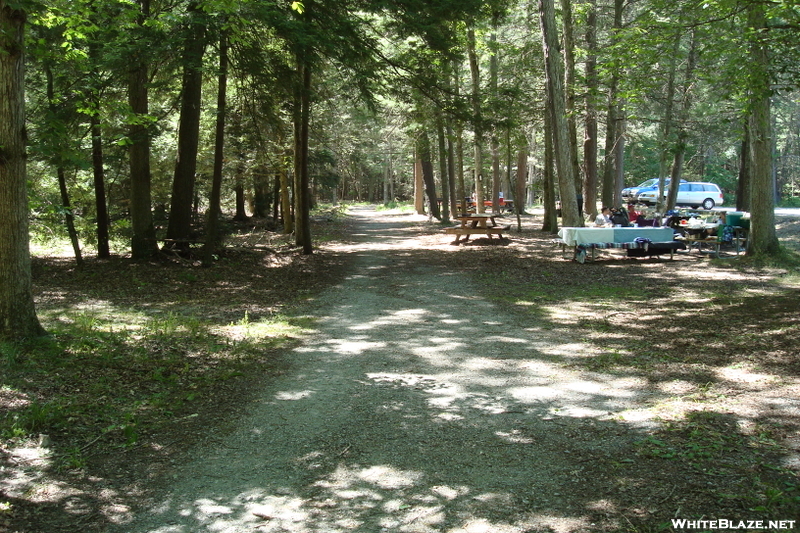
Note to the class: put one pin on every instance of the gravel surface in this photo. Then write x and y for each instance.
(417, 405)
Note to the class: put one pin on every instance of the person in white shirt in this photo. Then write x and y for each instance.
(603, 218)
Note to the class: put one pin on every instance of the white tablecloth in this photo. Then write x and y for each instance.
(575, 236)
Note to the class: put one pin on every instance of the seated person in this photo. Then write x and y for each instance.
(603, 218)
(646, 222)
(632, 213)
(619, 217)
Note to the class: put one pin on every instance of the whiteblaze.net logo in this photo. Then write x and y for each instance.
(743, 525)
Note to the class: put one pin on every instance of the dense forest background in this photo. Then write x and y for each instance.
(143, 114)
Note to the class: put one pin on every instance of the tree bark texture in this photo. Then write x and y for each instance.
(302, 191)
(419, 185)
(424, 151)
(562, 146)
(101, 208)
(443, 173)
(613, 121)
(451, 171)
(18, 318)
(495, 142)
(549, 180)
(180, 218)
(590, 144)
(212, 228)
(666, 129)
(743, 185)
(763, 239)
(522, 177)
(477, 118)
(143, 240)
(569, 97)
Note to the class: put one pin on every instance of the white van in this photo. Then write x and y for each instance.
(693, 193)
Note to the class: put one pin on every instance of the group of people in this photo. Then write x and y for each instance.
(613, 217)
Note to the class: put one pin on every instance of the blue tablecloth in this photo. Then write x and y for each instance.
(576, 236)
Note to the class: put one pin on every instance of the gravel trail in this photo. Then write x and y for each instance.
(417, 405)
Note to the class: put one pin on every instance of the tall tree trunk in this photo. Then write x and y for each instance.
(569, 96)
(238, 191)
(212, 228)
(261, 191)
(98, 170)
(522, 176)
(286, 203)
(302, 190)
(240, 201)
(101, 209)
(590, 126)
(462, 186)
(459, 146)
(477, 118)
(557, 110)
(424, 151)
(763, 239)
(419, 185)
(493, 67)
(69, 217)
(180, 217)
(387, 171)
(666, 129)
(451, 170)
(18, 318)
(276, 194)
(444, 174)
(550, 223)
(613, 121)
(619, 155)
(743, 184)
(143, 240)
(679, 148)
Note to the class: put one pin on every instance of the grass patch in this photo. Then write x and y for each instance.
(106, 380)
(786, 258)
(403, 207)
(742, 467)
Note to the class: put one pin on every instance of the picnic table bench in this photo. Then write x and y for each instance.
(477, 224)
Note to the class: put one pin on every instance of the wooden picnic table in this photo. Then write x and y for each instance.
(477, 224)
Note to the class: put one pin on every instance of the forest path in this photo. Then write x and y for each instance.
(417, 405)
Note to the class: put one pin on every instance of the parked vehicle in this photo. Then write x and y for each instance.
(652, 186)
(629, 193)
(693, 194)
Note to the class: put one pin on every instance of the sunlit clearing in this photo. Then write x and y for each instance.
(261, 329)
(404, 316)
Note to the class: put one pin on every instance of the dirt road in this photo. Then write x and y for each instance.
(419, 406)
